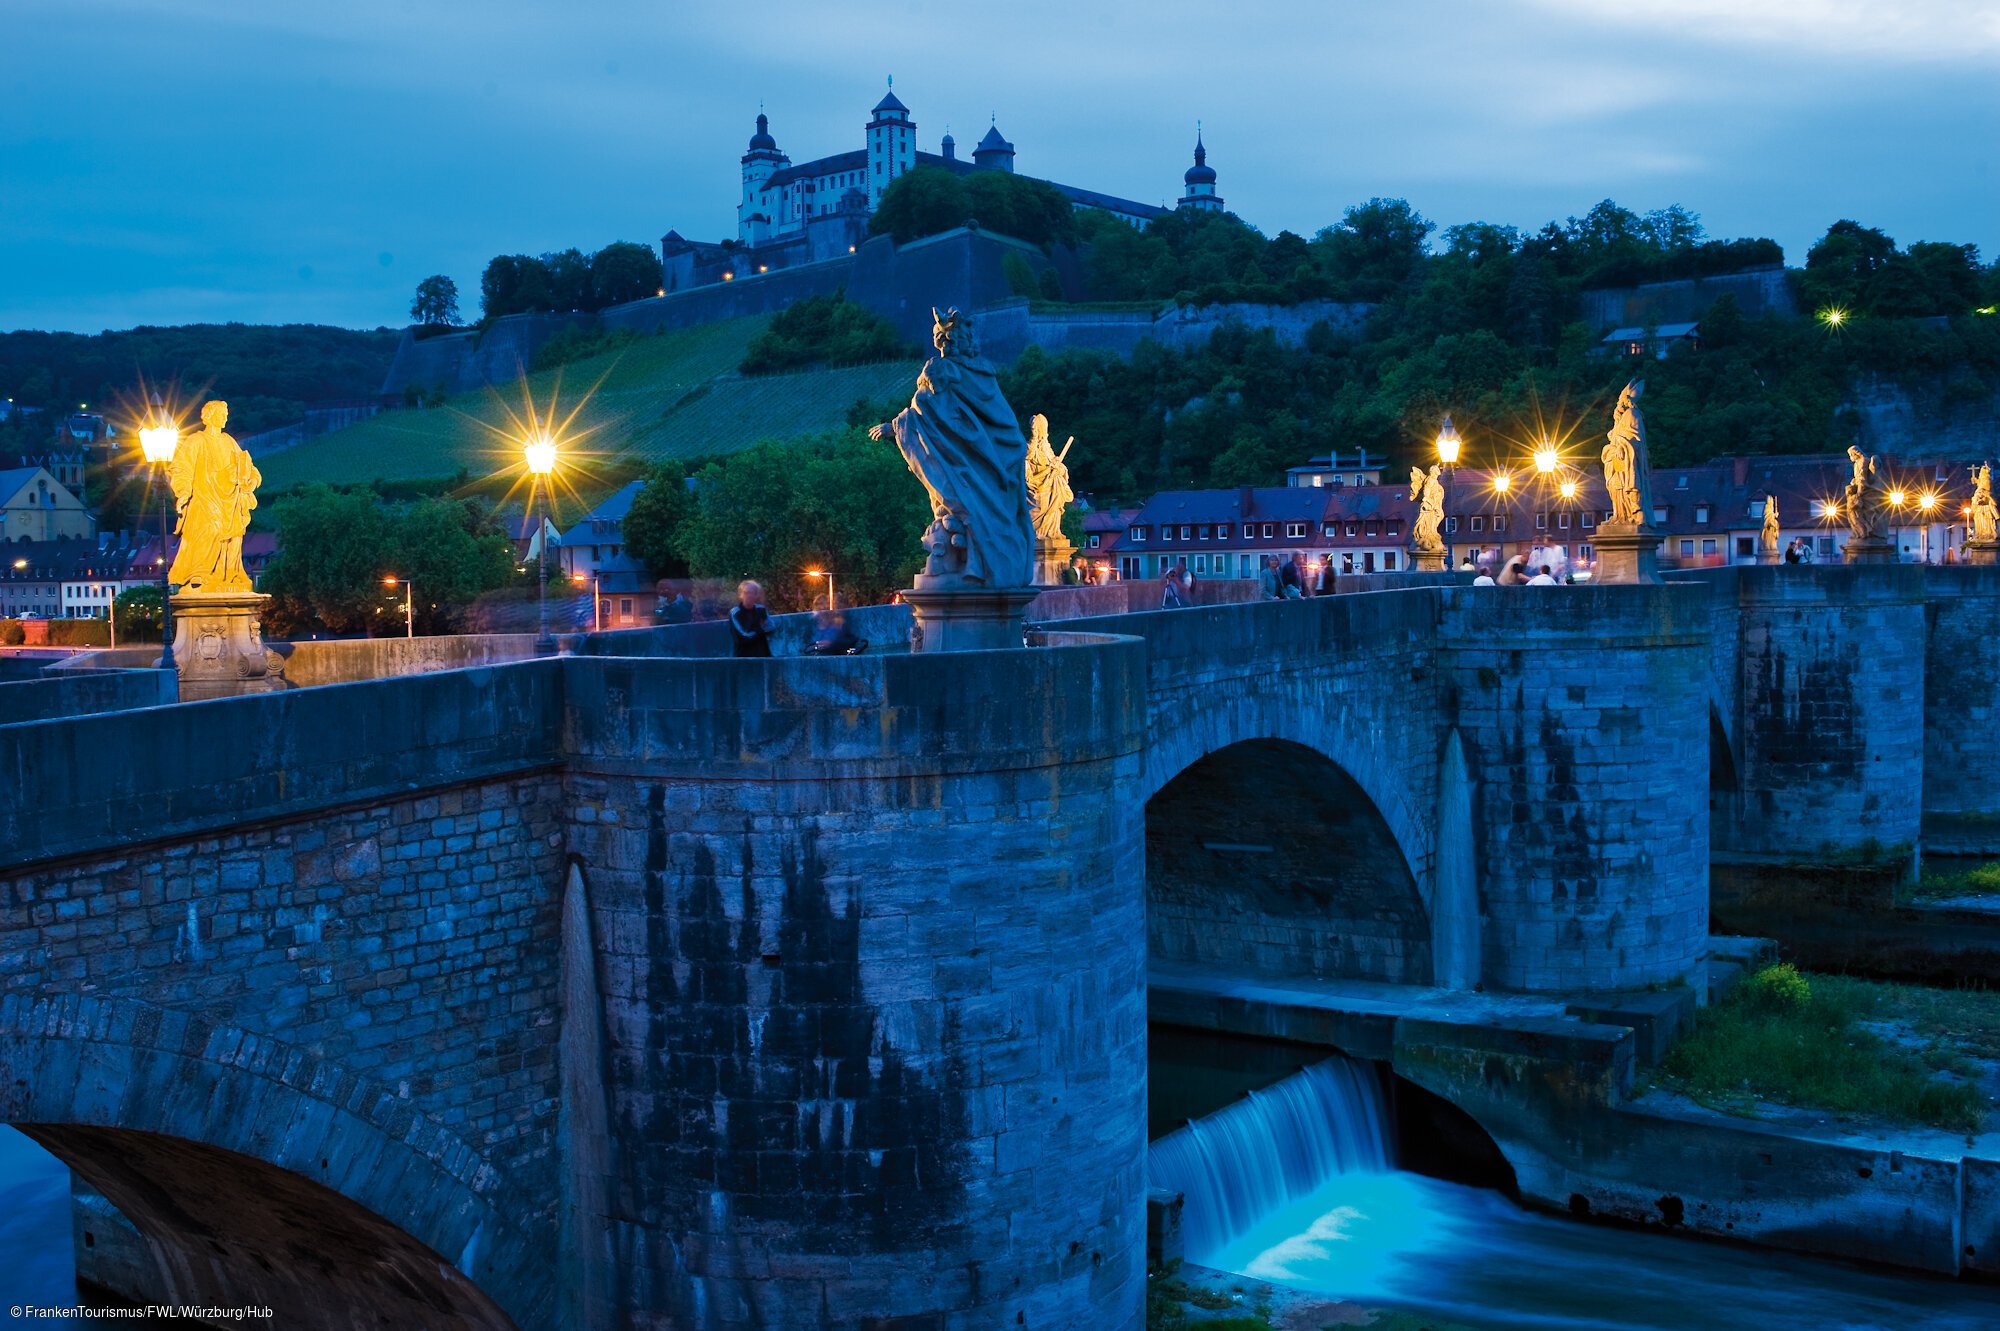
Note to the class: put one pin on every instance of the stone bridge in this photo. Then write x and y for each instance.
(647, 988)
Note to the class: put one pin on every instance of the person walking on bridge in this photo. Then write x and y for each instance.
(749, 621)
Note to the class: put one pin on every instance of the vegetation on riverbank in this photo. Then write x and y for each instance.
(1954, 878)
(1848, 1046)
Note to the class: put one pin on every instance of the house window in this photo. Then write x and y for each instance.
(625, 605)
(1708, 545)
(1583, 553)
(1270, 529)
(1746, 547)
(1541, 522)
(1222, 531)
(1094, 540)
(1372, 528)
(1586, 520)
(1187, 533)
(1201, 563)
(1329, 528)
(1207, 532)
(1562, 521)
(1659, 516)
(1701, 512)
(1166, 533)
(1137, 534)
(1351, 529)
(1395, 528)
(1478, 522)
(1294, 530)
(1681, 484)
(1451, 524)
(1499, 522)
(1389, 560)
(1687, 548)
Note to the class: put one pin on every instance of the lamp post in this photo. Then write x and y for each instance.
(409, 587)
(1897, 498)
(827, 574)
(540, 452)
(596, 600)
(1448, 446)
(158, 442)
(1926, 502)
(1503, 484)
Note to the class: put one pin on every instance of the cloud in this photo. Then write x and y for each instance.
(1950, 31)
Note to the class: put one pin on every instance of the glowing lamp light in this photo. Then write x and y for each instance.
(729, 277)
(22, 563)
(1546, 457)
(1898, 498)
(661, 292)
(391, 581)
(1927, 502)
(158, 442)
(1833, 317)
(1569, 489)
(541, 455)
(1502, 483)
(578, 579)
(1449, 443)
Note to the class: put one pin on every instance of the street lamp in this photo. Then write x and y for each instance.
(1546, 456)
(540, 453)
(409, 602)
(1926, 502)
(828, 575)
(596, 600)
(1897, 498)
(158, 442)
(1449, 445)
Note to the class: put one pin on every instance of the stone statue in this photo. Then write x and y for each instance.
(1627, 471)
(963, 442)
(1770, 525)
(1984, 517)
(215, 487)
(1864, 520)
(1049, 494)
(1428, 490)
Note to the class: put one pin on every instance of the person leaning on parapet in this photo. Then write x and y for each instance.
(1267, 577)
(1485, 579)
(1170, 590)
(1514, 572)
(680, 610)
(1466, 565)
(1546, 578)
(1326, 583)
(1290, 585)
(750, 622)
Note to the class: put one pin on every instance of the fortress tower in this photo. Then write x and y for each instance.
(994, 153)
(753, 219)
(892, 145)
(1200, 180)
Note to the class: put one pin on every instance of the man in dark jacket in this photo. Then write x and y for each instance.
(750, 622)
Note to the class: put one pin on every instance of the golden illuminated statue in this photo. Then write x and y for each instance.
(215, 487)
(1627, 470)
(1983, 512)
(1771, 530)
(1049, 493)
(1427, 490)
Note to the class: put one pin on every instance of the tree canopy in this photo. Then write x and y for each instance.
(436, 302)
(932, 199)
(824, 330)
(568, 279)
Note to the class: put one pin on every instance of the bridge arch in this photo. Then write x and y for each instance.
(244, 1161)
(1266, 856)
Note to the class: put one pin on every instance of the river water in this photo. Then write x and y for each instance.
(1295, 1184)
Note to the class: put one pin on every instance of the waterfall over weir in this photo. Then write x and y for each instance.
(1273, 1147)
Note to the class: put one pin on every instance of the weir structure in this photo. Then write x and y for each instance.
(646, 987)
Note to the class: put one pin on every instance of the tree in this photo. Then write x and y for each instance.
(922, 202)
(333, 551)
(452, 550)
(839, 501)
(136, 613)
(1376, 247)
(823, 330)
(623, 271)
(931, 199)
(514, 284)
(436, 303)
(653, 523)
(569, 280)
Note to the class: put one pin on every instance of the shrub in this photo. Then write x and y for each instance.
(1780, 986)
(823, 330)
(11, 633)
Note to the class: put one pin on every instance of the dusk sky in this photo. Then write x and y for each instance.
(177, 161)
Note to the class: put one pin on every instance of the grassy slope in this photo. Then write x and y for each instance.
(672, 395)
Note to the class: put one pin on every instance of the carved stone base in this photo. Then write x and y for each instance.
(1869, 550)
(1982, 552)
(1626, 555)
(1051, 561)
(967, 619)
(219, 646)
(1427, 561)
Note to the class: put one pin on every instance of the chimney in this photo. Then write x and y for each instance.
(1742, 471)
(1246, 500)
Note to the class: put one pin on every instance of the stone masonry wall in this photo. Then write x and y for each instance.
(872, 956)
(1584, 712)
(398, 953)
(1831, 733)
(1961, 793)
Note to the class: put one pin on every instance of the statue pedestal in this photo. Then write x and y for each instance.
(219, 646)
(1051, 561)
(1869, 550)
(1982, 552)
(1626, 555)
(1427, 561)
(967, 619)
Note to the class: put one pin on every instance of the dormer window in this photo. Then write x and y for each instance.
(1701, 512)
(1137, 535)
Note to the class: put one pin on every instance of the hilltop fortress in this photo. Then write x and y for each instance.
(809, 212)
